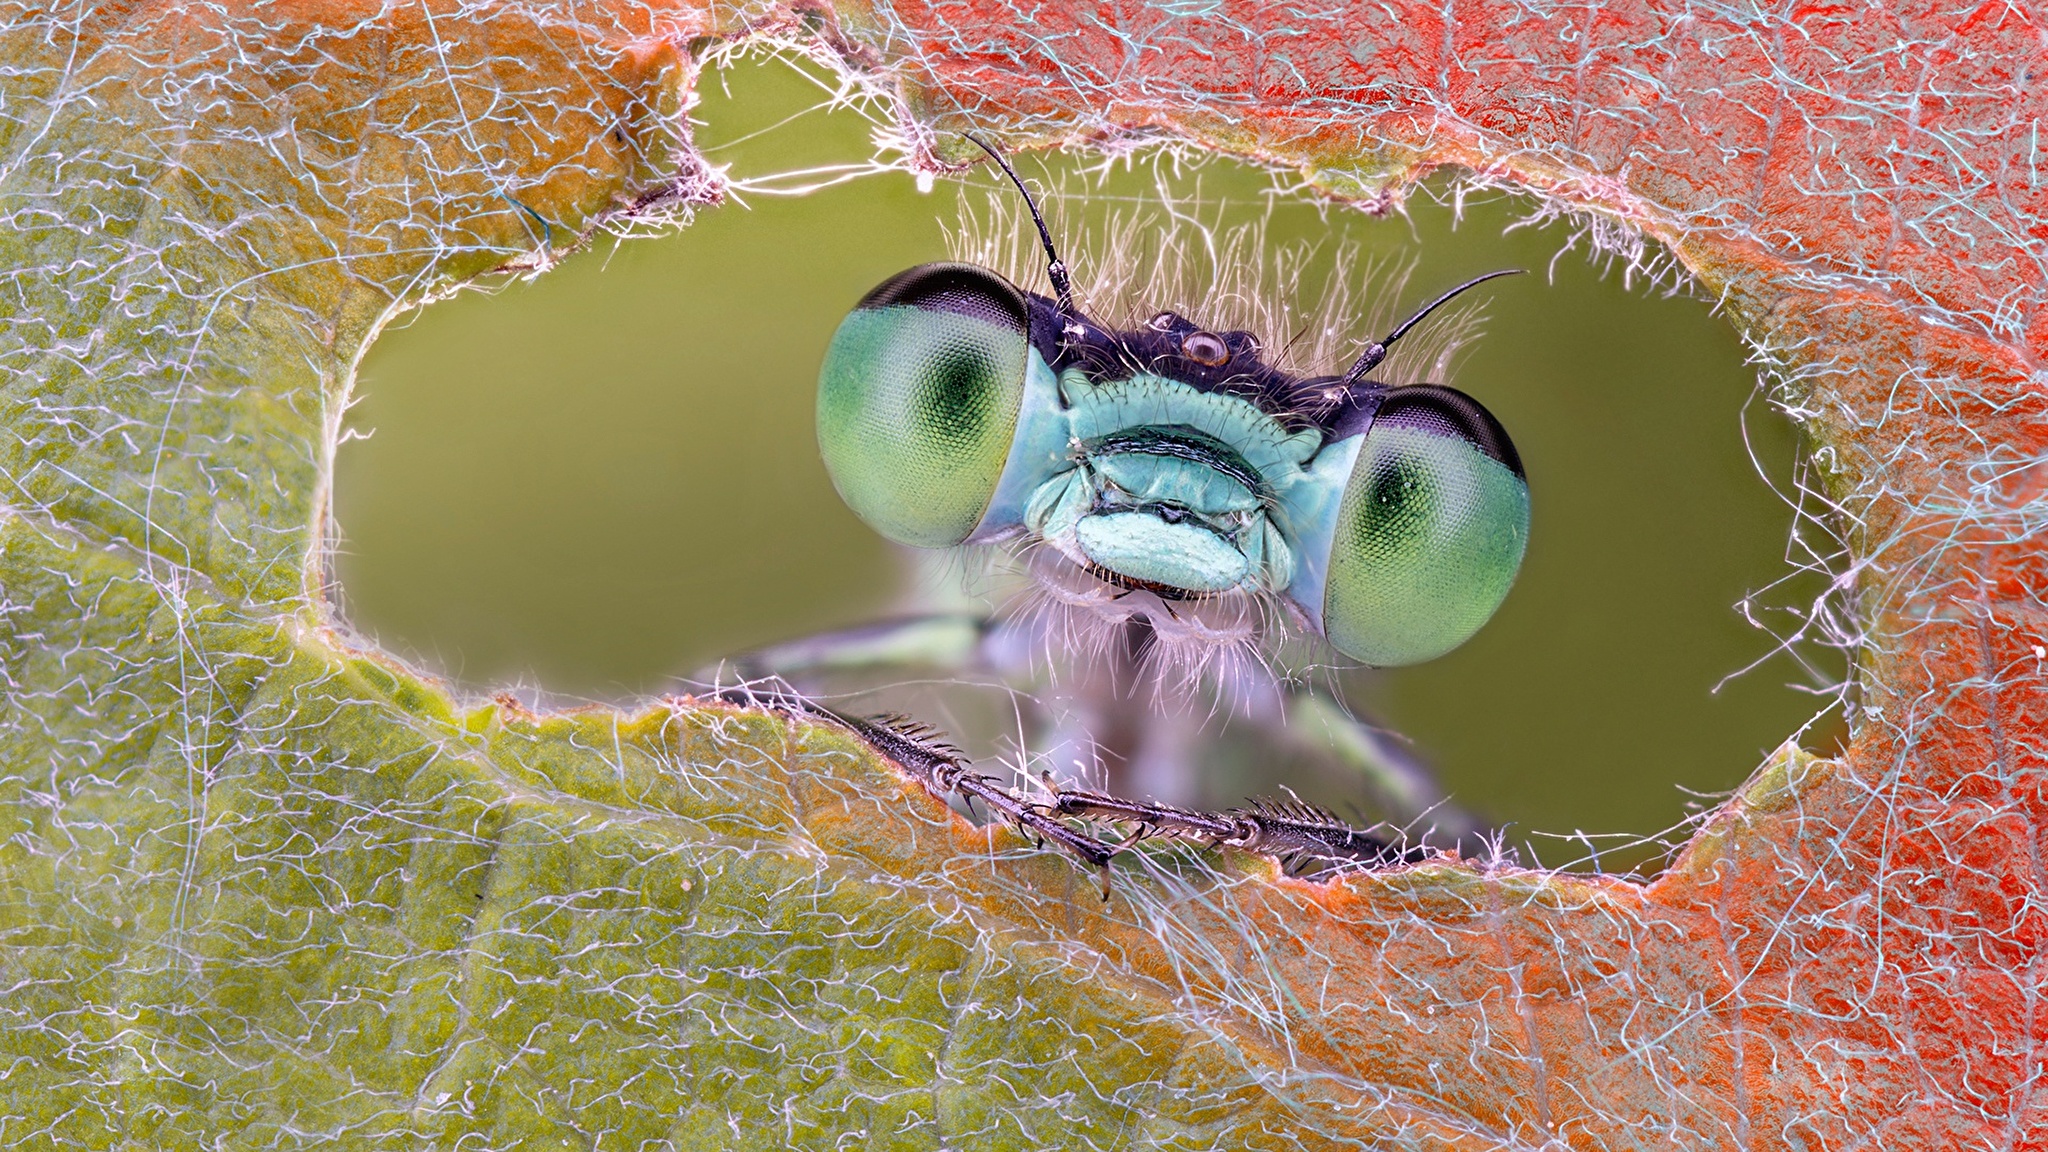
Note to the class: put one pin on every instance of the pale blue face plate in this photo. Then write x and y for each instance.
(1144, 547)
(1061, 486)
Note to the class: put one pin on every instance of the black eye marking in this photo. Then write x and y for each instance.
(1399, 507)
(955, 394)
(1205, 348)
(1449, 412)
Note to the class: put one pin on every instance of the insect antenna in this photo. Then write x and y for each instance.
(1055, 269)
(1377, 350)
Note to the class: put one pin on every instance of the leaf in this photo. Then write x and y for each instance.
(264, 886)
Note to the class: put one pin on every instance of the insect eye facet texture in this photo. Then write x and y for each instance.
(918, 400)
(1430, 533)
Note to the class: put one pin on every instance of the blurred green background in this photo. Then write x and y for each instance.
(607, 477)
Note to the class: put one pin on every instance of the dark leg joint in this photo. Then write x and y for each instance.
(1151, 818)
(1028, 817)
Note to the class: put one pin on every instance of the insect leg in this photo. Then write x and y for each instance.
(1288, 830)
(942, 769)
(1151, 819)
(950, 640)
(939, 768)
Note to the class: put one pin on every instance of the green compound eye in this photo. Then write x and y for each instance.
(918, 400)
(1431, 530)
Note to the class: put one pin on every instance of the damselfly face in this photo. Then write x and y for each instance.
(1168, 472)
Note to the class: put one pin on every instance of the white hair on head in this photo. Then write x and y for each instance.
(1312, 316)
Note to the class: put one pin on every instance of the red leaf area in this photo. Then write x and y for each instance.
(1853, 960)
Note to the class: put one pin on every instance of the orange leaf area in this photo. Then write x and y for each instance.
(1849, 955)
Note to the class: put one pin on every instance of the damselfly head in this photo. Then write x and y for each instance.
(1162, 471)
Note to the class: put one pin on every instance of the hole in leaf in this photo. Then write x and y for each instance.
(608, 477)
